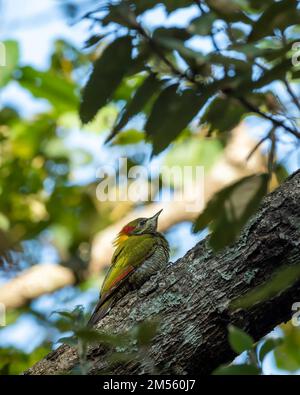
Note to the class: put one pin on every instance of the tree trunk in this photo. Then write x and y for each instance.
(191, 297)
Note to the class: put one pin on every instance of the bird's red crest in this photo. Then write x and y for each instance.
(127, 229)
(124, 233)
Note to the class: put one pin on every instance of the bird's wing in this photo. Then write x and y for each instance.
(127, 257)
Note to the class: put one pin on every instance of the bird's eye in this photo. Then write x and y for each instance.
(143, 221)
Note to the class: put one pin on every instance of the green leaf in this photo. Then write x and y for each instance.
(278, 72)
(106, 76)
(173, 5)
(281, 173)
(230, 209)
(170, 5)
(139, 63)
(229, 10)
(295, 75)
(122, 357)
(26, 136)
(222, 115)
(233, 370)
(70, 341)
(128, 87)
(171, 32)
(278, 15)
(141, 97)
(5, 369)
(258, 4)
(235, 33)
(8, 116)
(268, 346)
(170, 114)
(9, 52)
(90, 335)
(65, 314)
(266, 100)
(187, 53)
(93, 40)
(131, 136)
(287, 354)
(238, 64)
(76, 316)
(146, 332)
(120, 13)
(50, 86)
(93, 336)
(14, 361)
(239, 340)
(253, 50)
(144, 5)
(281, 280)
(203, 24)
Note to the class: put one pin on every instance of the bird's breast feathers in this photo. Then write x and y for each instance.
(131, 254)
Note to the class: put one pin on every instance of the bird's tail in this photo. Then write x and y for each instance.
(100, 311)
(106, 302)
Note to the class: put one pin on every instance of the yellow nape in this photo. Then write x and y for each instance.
(120, 239)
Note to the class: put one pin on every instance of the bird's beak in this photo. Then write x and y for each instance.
(153, 220)
(155, 216)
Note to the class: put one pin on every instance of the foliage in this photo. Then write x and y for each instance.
(256, 353)
(249, 50)
(14, 361)
(284, 348)
(231, 208)
(34, 174)
(36, 163)
(239, 340)
(126, 346)
(105, 77)
(287, 354)
(12, 56)
(280, 281)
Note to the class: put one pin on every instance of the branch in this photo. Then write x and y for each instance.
(200, 6)
(156, 49)
(274, 121)
(185, 75)
(292, 94)
(36, 281)
(192, 297)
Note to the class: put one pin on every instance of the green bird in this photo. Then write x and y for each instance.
(141, 252)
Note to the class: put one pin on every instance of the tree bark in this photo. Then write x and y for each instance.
(191, 297)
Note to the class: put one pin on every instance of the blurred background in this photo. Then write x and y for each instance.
(59, 233)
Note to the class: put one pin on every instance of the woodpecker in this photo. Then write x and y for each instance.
(140, 252)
